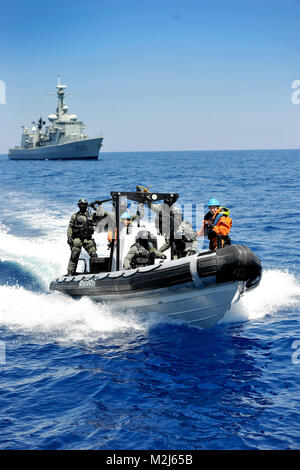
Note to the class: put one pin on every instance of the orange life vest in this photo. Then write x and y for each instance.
(221, 225)
(110, 235)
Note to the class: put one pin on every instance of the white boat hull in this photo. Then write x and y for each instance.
(191, 289)
(199, 307)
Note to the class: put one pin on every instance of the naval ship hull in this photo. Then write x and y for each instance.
(87, 149)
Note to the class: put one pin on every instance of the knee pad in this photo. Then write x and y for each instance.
(75, 253)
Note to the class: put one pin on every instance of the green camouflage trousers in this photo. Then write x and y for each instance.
(89, 247)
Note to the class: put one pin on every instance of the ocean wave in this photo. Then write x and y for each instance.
(13, 274)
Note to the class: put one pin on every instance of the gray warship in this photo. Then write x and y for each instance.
(64, 139)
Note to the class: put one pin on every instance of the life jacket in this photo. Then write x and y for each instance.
(83, 225)
(143, 258)
(221, 226)
(110, 233)
(221, 212)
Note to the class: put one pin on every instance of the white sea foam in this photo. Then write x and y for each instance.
(45, 257)
(277, 290)
(57, 317)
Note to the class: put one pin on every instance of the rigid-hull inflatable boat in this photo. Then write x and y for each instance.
(197, 289)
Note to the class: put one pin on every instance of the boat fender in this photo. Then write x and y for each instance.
(237, 263)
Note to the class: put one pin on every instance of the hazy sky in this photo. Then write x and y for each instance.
(156, 74)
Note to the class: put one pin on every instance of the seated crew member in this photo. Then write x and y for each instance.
(216, 225)
(142, 253)
(80, 231)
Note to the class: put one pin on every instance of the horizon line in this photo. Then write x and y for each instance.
(193, 150)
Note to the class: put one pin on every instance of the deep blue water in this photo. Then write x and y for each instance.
(75, 376)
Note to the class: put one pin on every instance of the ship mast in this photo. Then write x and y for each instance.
(61, 95)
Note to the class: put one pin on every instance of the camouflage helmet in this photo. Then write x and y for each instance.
(143, 235)
(82, 201)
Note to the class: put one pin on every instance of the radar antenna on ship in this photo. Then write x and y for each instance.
(61, 95)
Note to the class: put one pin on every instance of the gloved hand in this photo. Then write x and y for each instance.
(70, 241)
(191, 252)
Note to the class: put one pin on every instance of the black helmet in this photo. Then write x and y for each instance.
(82, 201)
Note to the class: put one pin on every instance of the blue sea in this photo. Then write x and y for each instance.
(73, 375)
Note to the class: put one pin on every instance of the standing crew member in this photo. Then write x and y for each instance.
(216, 225)
(80, 231)
(185, 242)
(142, 253)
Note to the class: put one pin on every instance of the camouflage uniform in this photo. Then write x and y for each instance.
(162, 220)
(185, 242)
(139, 256)
(80, 231)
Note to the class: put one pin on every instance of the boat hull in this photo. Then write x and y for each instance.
(87, 149)
(200, 308)
(198, 289)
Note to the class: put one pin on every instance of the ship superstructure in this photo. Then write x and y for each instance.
(64, 138)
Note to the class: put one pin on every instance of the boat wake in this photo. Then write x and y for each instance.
(49, 317)
(55, 317)
(278, 290)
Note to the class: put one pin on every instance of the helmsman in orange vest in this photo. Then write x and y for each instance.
(216, 225)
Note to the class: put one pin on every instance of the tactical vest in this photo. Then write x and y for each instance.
(142, 258)
(188, 234)
(83, 226)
